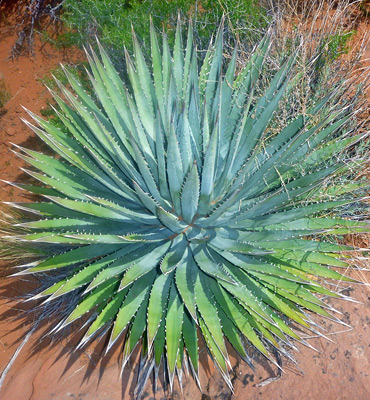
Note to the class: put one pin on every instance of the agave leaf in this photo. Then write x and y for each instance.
(291, 191)
(243, 85)
(132, 302)
(252, 264)
(76, 126)
(305, 245)
(125, 259)
(208, 173)
(159, 342)
(255, 125)
(288, 215)
(170, 221)
(180, 360)
(147, 175)
(311, 256)
(217, 355)
(106, 315)
(189, 332)
(113, 87)
(52, 289)
(241, 319)
(146, 199)
(141, 138)
(310, 268)
(74, 256)
(254, 63)
(236, 246)
(294, 153)
(304, 303)
(89, 208)
(186, 274)
(78, 89)
(232, 334)
(140, 217)
(143, 73)
(174, 169)
(185, 144)
(161, 160)
(204, 70)
(59, 181)
(208, 264)
(175, 255)
(269, 298)
(77, 157)
(157, 67)
(120, 156)
(266, 235)
(144, 103)
(235, 147)
(166, 71)
(83, 238)
(59, 169)
(87, 124)
(97, 296)
(178, 58)
(190, 56)
(32, 189)
(325, 223)
(194, 118)
(208, 311)
(87, 274)
(326, 152)
(51, 137)
(147, 236)
(136, 332)
(271, 169)
(225, 100)
(111, 71)
(145, 265)
(247, 299)
(70, 225)
(157, 305)
(213, 77)
(174, 320)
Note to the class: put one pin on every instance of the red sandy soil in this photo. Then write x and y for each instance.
(46, 371)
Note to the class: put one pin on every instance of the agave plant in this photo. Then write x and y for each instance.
(174, 213)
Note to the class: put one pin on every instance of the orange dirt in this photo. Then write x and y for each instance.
(46, 371)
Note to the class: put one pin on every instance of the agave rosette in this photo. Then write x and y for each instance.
(169, 212)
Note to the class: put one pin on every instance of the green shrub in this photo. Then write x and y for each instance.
(173, 211)
(4, 94)
(111, 20)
